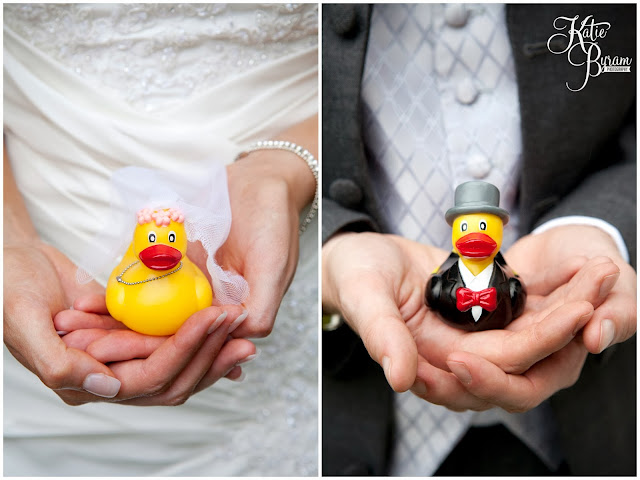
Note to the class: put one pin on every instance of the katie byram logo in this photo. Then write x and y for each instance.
(579, 40)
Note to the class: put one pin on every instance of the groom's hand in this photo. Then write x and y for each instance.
(377, 283)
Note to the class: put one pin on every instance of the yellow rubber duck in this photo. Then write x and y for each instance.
(155, 288)
(474, 289)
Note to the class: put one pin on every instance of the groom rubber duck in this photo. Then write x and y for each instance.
(474, 289)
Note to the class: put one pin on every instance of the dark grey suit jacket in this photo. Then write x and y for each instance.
(578, 159)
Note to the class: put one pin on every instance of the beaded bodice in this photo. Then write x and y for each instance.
(153, 56)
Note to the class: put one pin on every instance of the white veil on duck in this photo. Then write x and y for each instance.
(207, 212)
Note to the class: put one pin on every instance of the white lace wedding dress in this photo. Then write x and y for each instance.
(92, 88)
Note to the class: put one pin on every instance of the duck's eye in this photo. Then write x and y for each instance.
(483, 225)
(172, 236)
(463, 227)
(152, 237)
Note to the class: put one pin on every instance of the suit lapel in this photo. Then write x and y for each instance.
(495, 281)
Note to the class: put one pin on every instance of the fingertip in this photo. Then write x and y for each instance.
(238, 321)
(79, 304)
(76, 370)
(60, 321)
(460, 370)
(252, 323)
(442, 387)
(208, 320)
(593, 282)
(400, 369)
(607, 334)
(608, 283)
(584, 312)
(92, 303)
(599, 335)
(476, 373)
(239, 351)
(569, 310)
(471, 368)
(101, 385)
(390, 343)
(419, 389)
(247, 349)
(236, 374)
(217, 322)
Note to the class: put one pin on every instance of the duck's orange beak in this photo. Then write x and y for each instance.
(160, 257)
(476, 245)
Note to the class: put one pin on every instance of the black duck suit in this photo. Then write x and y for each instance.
(441, 291)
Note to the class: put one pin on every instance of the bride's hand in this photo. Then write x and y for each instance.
(157, 370)
(39, 282)
(267, 189)
(36, 287)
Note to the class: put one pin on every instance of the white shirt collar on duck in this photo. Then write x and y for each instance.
(475, 282)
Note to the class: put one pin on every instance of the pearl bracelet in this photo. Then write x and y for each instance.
(304, 154)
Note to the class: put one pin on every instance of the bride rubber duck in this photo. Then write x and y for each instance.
(155, 288)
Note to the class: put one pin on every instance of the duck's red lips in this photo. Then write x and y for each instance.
(476, 245)
(160, 257)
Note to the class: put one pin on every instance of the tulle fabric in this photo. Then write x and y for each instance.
(204, 202)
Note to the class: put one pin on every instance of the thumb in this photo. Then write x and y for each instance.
(68, 370)
(374, 315)
(91, 376)
(73, 374)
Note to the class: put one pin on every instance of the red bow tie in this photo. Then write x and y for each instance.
(467, 298)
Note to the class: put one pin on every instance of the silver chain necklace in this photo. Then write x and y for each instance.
(120, 280)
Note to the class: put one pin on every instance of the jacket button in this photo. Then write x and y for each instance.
(343, 19)
(345, 192)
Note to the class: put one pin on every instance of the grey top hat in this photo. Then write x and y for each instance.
(476, 197)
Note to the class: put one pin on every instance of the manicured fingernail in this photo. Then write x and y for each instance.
(248, 358)
(607, 332)
(236, 323)
(240, 378)
(217, 323)
(101, 385)
(419, 388)
(386, 366)
(62, 333)
(608, 283)
(461, 371)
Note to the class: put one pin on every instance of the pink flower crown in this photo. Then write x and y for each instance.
(162, 217)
